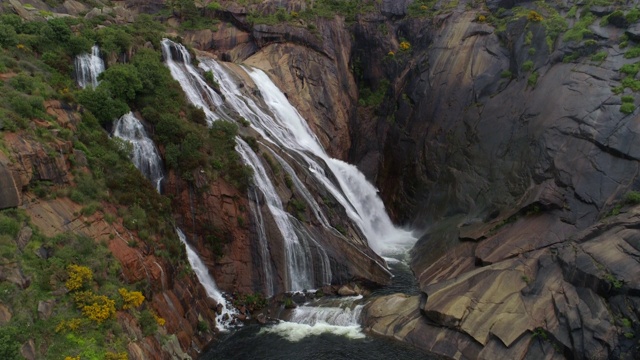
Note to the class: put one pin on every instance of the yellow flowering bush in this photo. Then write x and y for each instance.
(132, 299)
(78, 276)
(95, 307)
(405, 45)
(534, 16)
(70, 325)
(482, 18)
(72, 358)
(101, 309)
(160, 321)
(391, 53)
(116, 356)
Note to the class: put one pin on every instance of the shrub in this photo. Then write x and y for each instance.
(9, 226)
(634, 52)
(8, 36)
(600, 56)
(122, 81)
(506, 74)
(101, 309)
(131, 299)
(534, 16)
(101, 104)
(527, 65)
(533, 79)
(633, 197)
(148, 322)
(116, 356)
(630, 69)
(627, 99)
(627, 108)
(78, 277)
(405, 45)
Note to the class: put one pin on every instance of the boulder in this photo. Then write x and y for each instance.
(9, 191)
(23, 237)
(347, 290)
(74, 7)
(28, 350)
(5, 314)
(394, 8)
(45, 308)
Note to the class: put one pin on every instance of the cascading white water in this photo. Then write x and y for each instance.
(254, 206)
(198, 267)
(288, 129)
(198, 92)
(144, 153)
(315, 208)
(336, 316)
(298, 255)
(88, 67)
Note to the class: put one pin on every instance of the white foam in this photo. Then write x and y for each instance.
(295, 332)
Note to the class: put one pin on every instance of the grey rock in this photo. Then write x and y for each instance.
(45, 308)
(5, 314)
(28, 350)
(9, 192)
(23, 237)
(394, 7)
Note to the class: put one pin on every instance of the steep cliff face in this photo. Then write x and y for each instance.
(503, 155)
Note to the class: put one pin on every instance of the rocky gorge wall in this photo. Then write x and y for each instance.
(506, 158)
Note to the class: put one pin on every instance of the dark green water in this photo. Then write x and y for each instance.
(248, 344)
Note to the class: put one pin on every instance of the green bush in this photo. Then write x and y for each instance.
(8, 36)
(9, 226)
(101, 104)
(633, 197)
(630, 69)
(527, 65)
(627, 108)
(600, 56)
(627, 99)
(580, 29)
(533, 79)
(634, 52)
(122, 81)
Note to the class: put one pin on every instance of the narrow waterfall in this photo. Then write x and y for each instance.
(226, 315)
(144, 153)
(88, 67)
(178, 61)
(299, 258)
(263, 242)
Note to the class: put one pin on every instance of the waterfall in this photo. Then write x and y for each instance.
(308, 198)
(288, 129)
(208, 283)
(198, 92)
(299, 258)
(144, 153)
(339, 316)
(281, 126)
(88, 67)
(254, 206)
